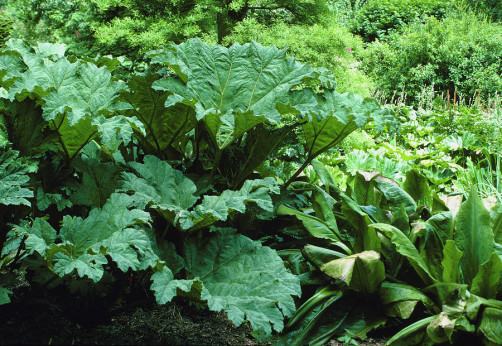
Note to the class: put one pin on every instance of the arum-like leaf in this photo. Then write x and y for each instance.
(363, 272)
(473, 236)
(406, 248)
(417, 186)
(441, 328)
(450, 263)
(395, 195)
(414, 334)
(315, 226)
(486, 282)
(491, 325)
(400, 299)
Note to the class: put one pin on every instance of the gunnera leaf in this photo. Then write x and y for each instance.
(82, 245)
(13, 178)
(239, 276)
(235, 88)
(167, 190)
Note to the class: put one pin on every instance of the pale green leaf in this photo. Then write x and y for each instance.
(473, 236)
(363, 272)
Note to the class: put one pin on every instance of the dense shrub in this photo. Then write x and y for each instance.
(5, 26)
(330, 46)
(490, 8)
(379, 17)
(461, 53)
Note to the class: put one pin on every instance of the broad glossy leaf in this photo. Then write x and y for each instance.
(473, 236)
(414, 334)
(315, 226)
(485, 283)
(363, 272)
(395, 195)
(406, 248)
(491, 325)
(401, 300)
(320, 255)
(441, 328)
(450, 263)
(417, 186)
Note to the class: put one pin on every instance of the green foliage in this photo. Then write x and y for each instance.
(13, 178)
(329, 45)
(377, 18)
(459, 55)
(490, 8)
(6, 26)
(260, 286)
(178, 146)
(132, 28)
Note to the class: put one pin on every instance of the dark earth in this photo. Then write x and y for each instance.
(41, 316)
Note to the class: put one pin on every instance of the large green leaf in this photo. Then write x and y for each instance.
(240, 276)
(166, 127)
(450, 263)
(79, 99)
(336, 116)
(13, 178)
(406, 248)
(400, 300)
(473, 236)
(395, 195)
(171, 193)
(165, 188)
(485, 283)
(491, 325)
(363, 272)
(234, 88)
(315, 226)
(417, 186)
(84, 244)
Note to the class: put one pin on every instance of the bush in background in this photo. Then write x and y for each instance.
(460, 53)
(6, 22)
(490, 8)
(377, 18)
(331, 46)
